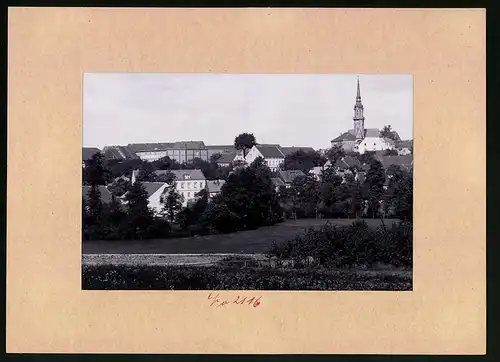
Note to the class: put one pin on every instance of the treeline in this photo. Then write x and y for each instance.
(247, 201)
(383, 193)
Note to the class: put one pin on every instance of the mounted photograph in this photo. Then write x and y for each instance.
(247, 182)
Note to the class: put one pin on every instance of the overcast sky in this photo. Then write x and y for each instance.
(288, 109)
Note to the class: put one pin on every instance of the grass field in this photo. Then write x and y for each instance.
(244, 242)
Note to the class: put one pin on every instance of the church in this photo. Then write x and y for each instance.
(361, 139)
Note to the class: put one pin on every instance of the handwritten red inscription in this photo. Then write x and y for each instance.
(218, 301)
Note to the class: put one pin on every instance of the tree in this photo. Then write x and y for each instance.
(335, 153)
(305, 195)
(171, 201)
(215, 157)
(166, 163)
(390, 153)
(118, 187)
(374, 187)
(139, 216)
(119, 168)
(244, 142)
(146, 173)
(94, 172)
(304, 161)
(388, 132)
(399, 194)
(329, 193)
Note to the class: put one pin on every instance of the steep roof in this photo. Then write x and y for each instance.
(106, 196)
(226, 148)
(400, 160)
(270, 151)
(195, 174)
(346, 136)
(152, 187)
(351, 161)
(148, 147)
(372, 132)
(88, 152)
(289, 175)
(215, 185)
(277, 182)
(190, 145)
(227, 157)
(119, 153)
(289, 150)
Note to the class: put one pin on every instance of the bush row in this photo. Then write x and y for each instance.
(116, 277)
(348, 246)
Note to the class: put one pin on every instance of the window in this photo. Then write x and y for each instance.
(189, 194)
(194, 185)
(374, 144)
(201, 185)
(182, 185)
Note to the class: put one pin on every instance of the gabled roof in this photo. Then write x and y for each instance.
(346, 136)
(226, 148)
(190, 145)
(227, 157)
(400, 160)
(372, 132)
(351, 161)
(88, 152)
(270, 151)
(289, 175)
(195, 174)
(106, 196)
(148, 147)
(119, 153)
(289, 150)
(277, 182)
(152, 187)
(215, 185)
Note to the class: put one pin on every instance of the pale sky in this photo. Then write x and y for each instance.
(307, 110)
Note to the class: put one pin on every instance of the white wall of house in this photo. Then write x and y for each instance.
(189, 188)
(374, 144)
(404, 151)
(252, 155)
(272, 163)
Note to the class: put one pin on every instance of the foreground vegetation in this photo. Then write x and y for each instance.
(328, 258)
(236, 278)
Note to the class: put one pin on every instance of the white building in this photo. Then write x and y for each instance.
(373, 142)
(272, 155)
(188, 183)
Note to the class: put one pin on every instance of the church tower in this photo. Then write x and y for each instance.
(358, 119)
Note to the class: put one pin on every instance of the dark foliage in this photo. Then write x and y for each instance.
(107, 277)
(349, 246)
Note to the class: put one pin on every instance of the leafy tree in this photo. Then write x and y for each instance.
(166, 163)
(390, 153)
(304, 161)
(94, 172)
(147, 173)
(139, 216)
(399, 194)
(171, 201)
(119, 187)
(335, 153)
(209, 169)
(374, 187)
(388, 132)
(244, 142)
(305, 196)
(119, 168)
(215, 157)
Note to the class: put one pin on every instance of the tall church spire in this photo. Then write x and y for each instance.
(358, 96)
(358, 119)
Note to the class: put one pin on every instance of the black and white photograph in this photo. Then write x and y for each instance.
(247, 182)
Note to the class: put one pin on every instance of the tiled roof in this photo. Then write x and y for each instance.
(227, 157)
(119, 153)
(215, 185)
(222, 148)
(401, 160)
(372, 132)
(346, 136)
(190, 145)
(289, 150)
(106, 196)
(195, 174)
(277, 182)
(289, 175)
(270, 151)
(148, 147)
(88, 152)
(152, 187)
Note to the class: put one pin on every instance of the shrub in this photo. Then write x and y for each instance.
(106, 277)
(348, 246)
